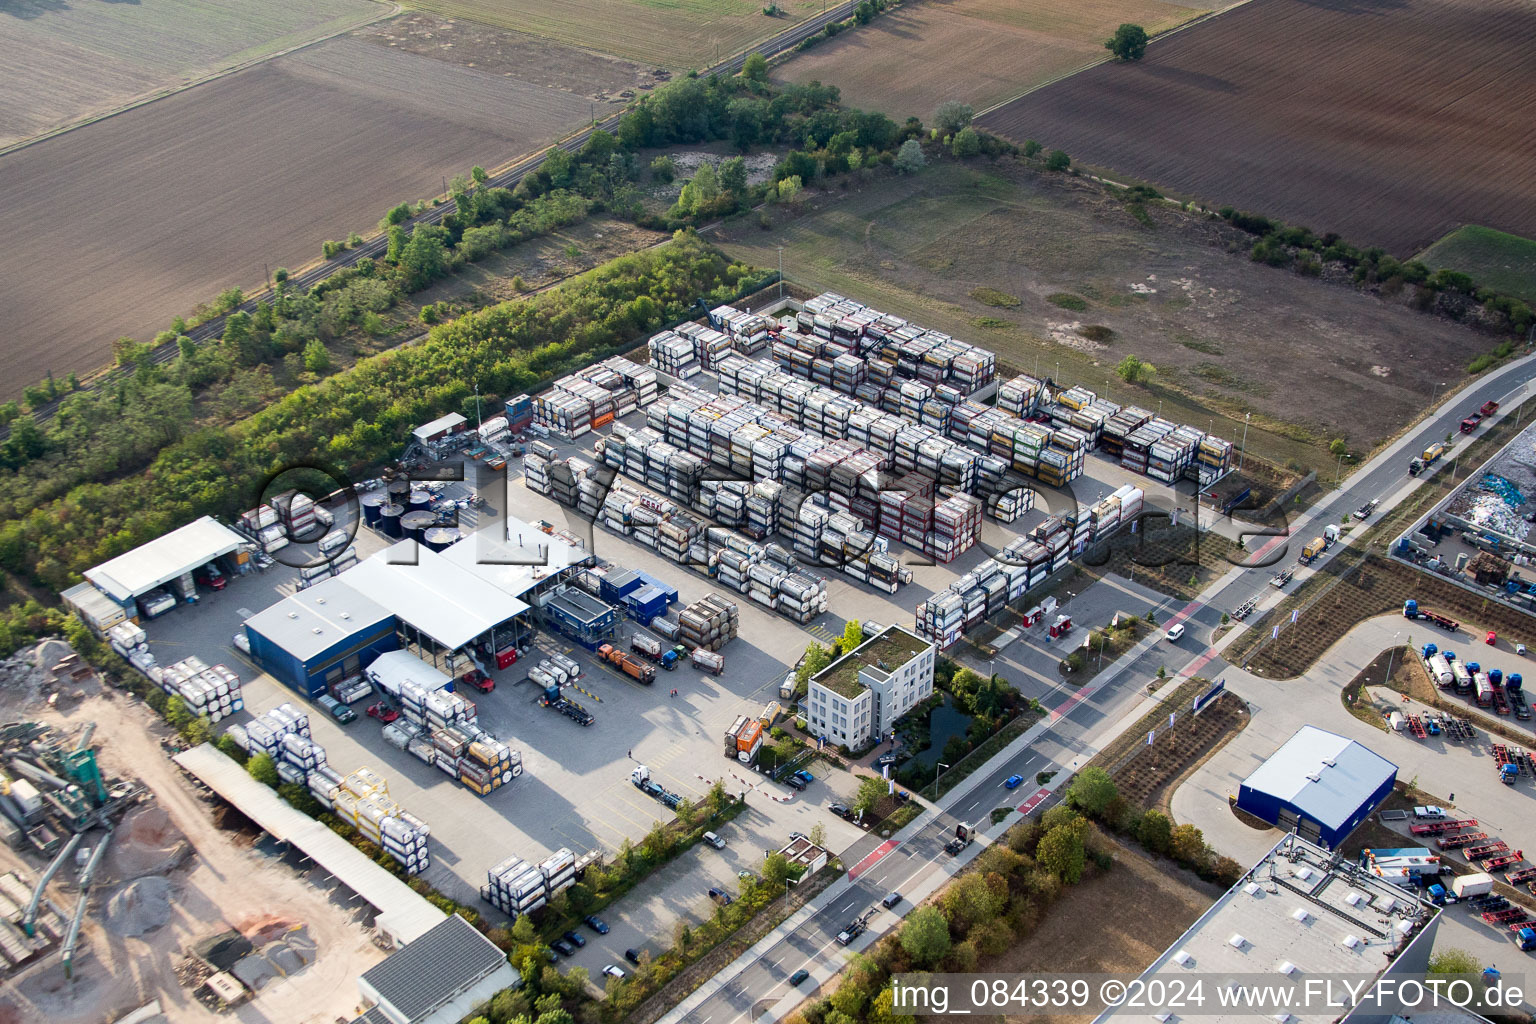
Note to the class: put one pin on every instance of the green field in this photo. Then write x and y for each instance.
(1503, 262)
(676, 34)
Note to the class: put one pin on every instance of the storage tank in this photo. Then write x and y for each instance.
(416, 523)
(399, 491)
(440, 537)
(420, 501)
(371, 504)
(389, 520)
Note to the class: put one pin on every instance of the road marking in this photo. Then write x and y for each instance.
(871, 859)
(1034, 801)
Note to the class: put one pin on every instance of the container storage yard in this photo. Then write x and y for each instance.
(807, 468)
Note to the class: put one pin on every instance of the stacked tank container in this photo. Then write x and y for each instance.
(515, 887)
(710, 622)
(673, 354)
(209, 691)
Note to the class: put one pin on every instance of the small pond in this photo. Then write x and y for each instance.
(948, 720)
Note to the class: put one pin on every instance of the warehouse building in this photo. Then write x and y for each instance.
(1319, 785)
(1301, 913)
(471, 603)
(320, 636)
(857, 699)
(113, 589)
(438, 978)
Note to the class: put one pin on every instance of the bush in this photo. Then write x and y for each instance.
(1066, 300)
(1058, 161)
(910, 159)
(263, 770)
(952, 116)
(967, 143)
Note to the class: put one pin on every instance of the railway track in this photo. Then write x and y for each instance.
(508, 177)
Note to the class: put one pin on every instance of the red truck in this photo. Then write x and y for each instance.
(479, 680)
(1470, 423)
(631, 666)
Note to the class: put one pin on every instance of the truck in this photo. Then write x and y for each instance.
(1488, 408)
(641, 779)
(1411, 610)
(1426, 458)
(555, 701)
(1313, 548)
(479, 680)
(964, 836)
(709, 661)
(855, 928)
(1440, 671)
(1467, 886)
(649, 647)
(628, 664)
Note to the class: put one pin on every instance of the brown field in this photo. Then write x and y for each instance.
(675, 34)
(1113, 922)
(125, 223)
(1227, 336)
(66, 62)
(1389, 122)
(980, 52)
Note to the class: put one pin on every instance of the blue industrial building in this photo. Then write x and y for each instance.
(1319, 785)
(320, 636)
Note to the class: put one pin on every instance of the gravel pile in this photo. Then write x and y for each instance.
(139, 907)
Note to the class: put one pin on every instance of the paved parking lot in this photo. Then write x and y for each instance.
(575, 790)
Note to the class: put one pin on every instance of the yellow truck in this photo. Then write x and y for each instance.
(1314, 548)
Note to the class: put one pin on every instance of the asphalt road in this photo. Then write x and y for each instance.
(813, 944)
(507, 178)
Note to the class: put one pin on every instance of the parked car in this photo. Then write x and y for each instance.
(1013, 781)
(596, 924)
(575, 939)
(720, 896)
(714, 840)
(799, 976)
(337, 710)
(614, 971)
(794, 781)
(1174, 633)
(891, 899)
(1430, 812)
(1492, 639)
(551, 955)
(805, 776)
(746, 876)
(633, 956)
(563, 948)
(841, 810)
(796, 835)
(210, 577)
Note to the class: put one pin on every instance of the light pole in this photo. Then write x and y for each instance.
(1242, 454)
(1339, 471)
(787, 883)
(938, 774)
(1435, 392)
(1390, 652)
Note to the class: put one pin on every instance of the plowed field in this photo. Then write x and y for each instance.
(1390, 122)
(68, 61)
(676, 34)
(120, 225)
(980, 52)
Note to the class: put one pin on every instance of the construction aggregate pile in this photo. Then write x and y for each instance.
(139, 907)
